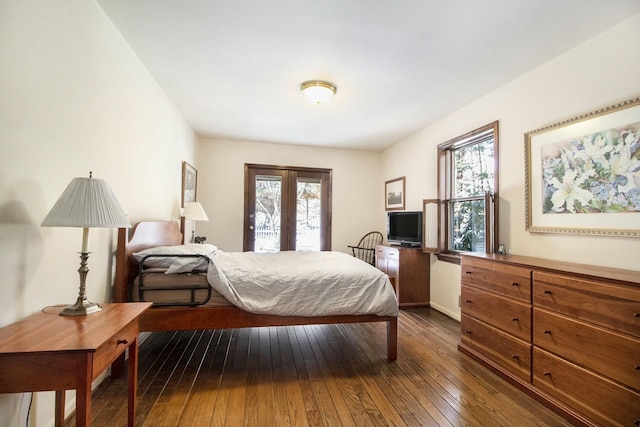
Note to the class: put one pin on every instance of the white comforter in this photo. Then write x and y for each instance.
(301, 283)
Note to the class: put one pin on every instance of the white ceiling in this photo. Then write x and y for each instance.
(233, 67)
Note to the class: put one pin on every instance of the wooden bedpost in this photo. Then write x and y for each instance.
(120, 291)
(392, 339)
(120, 284)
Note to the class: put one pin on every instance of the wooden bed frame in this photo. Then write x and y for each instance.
(150, 234)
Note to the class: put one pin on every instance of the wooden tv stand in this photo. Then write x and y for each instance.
(410, 270)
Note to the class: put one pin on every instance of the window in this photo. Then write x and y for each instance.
(467, 190)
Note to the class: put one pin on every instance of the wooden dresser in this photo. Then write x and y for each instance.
(410, 270)
(568, 334)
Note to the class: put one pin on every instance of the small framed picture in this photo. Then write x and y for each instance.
(394, 194)
(189, 183)
(502, 249)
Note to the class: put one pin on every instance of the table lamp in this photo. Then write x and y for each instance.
(194, 212)
(86, 203)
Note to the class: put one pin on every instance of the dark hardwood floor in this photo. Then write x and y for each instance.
(325, 375)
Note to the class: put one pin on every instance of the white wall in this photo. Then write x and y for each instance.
(357, 197)
(598, 73)
(73, 99)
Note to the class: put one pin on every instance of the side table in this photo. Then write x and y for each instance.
(46, 352)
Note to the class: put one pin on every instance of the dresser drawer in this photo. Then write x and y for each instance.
(603, 401)
(610, 305)
(505, 350)
(113, 347)
(506, 314)
(612, 354)
(508, 280)
(383, 251)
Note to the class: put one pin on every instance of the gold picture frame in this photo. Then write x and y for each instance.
(583, 174)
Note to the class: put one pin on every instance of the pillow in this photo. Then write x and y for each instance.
(177, 264)
(187, 264)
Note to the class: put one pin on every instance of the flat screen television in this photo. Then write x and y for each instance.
(404, 228)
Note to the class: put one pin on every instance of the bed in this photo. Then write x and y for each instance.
(221, 314)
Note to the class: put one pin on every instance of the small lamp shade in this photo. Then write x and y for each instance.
(194, 212)
(87, 202)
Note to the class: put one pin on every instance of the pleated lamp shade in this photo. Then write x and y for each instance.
(87, 202)
(194, 212)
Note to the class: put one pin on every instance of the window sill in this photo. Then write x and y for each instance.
(453, 258)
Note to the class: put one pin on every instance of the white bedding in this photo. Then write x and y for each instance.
(301, 284)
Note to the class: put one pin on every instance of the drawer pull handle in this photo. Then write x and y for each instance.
(467, 272)
(637, 367)
(636, 314)
(515, 284)
(468, 301)
(515, 356)
(515, 319)
(547, 292)
(547, 331)
(546, 374)
(122, 342)
(467, 332)
(637, 422)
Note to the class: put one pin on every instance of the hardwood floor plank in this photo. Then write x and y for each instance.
(206, 390)
(289, 376)
(151, 390)
(317, 375)
(279, 389)
(177, 401)
(343, 389)
(331, 377)
(169, 401)
(310, 405)
(251, 409)
(234, 383)
(266, 395)
(322, 395)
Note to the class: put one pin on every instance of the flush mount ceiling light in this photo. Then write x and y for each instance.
(318, 91)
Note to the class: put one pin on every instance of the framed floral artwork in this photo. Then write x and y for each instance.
(583, 174)
(394, 194)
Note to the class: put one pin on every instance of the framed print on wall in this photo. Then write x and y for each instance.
(189, 183)
(583, 175)
(394, 194)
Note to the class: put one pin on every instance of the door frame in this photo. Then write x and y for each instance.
(290, 174)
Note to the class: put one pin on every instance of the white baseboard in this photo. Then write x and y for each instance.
(443, 310)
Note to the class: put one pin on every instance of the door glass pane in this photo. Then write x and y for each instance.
(308, 212)
(268, 213)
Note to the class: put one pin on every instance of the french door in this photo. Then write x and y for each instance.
(287, 209)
